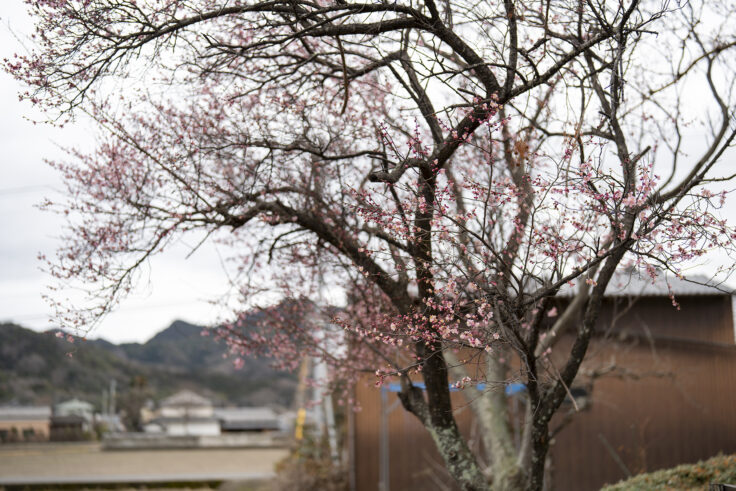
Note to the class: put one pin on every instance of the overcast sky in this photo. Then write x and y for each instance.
(176, 288)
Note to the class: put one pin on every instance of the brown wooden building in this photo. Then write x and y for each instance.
(669, 398)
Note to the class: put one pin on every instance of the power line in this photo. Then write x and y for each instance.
(27, 189)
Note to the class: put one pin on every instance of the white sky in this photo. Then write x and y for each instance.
(176, 288)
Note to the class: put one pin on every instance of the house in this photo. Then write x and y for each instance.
(75, 407)
(72, 420)
(185, 413)
(665, 396)
(70, 428)
(24, 423)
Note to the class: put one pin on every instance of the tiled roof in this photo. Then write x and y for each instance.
(638, 283)
(40, 413)
(186, 398)
(75, 404)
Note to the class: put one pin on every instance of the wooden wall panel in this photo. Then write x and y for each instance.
(675, 402)
(655, 422)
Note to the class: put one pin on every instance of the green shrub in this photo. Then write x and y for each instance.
(720, 469)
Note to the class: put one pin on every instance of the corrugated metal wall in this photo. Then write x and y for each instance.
(683, 409)
(672, 401)
(412, 460)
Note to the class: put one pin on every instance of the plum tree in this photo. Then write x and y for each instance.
(453, 166)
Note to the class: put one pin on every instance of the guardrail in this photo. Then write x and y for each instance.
(149, 441)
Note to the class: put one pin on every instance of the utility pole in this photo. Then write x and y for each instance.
(105, 407)
(113, 383)
(300, 400)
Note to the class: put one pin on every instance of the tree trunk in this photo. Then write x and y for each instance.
(436, 414)
(551, 398)
(494, 417)
(491, 412)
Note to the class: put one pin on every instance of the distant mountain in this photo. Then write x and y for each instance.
(39, 368)
(180, 345)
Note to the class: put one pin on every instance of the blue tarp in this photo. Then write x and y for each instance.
(510, 389)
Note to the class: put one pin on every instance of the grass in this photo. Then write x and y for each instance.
(687, 477)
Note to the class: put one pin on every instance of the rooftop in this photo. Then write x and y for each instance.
(75, 404)
(26, 413)
(186, 398)
(638, 283)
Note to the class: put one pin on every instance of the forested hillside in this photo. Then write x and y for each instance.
(40, 368)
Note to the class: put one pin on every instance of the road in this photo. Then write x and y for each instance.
(86, 463)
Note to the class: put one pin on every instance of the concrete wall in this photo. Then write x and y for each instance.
(187, 412)
(148, 441)
(196, 428)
